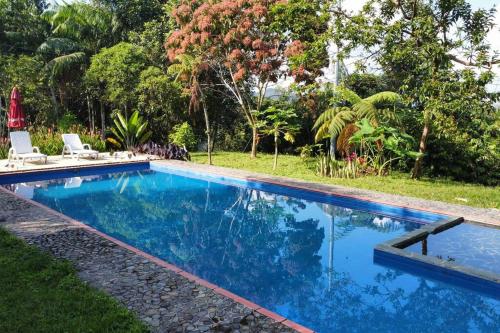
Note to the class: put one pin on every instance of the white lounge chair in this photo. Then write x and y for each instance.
(22, 149)
(75, 148)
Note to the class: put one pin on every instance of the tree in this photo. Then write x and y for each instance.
(339, 121)
(191, 71)
(114, 73)
(160, 100)
(423, 45)
(78, 31)
(278, 122)
(21, 27)
(247, 45)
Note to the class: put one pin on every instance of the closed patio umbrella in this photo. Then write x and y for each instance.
(16, 113)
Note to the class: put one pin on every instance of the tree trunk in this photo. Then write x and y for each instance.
(207, 128)
(54, 101)
(255, 137)
(333, 146)
(417, 169)
(275, 152)
(103, 121)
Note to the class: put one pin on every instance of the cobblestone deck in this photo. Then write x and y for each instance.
(167, 301)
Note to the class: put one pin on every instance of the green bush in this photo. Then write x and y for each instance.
(183, 135)
(4, 148)
(67, 121)
(50, 141)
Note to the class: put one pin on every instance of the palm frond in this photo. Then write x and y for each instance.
(61, 64)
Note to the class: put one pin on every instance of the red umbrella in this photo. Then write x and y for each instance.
(16, 114)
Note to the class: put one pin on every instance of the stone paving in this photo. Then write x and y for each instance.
(165, 300)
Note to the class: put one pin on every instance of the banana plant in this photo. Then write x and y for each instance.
(129, 133)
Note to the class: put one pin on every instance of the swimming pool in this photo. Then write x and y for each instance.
(303, 255)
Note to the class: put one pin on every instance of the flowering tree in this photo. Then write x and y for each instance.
(248, 44)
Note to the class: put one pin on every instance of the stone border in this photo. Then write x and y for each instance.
(392, 253)
(190, 277)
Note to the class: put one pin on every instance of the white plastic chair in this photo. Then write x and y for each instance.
(22, 149)
(75, 148)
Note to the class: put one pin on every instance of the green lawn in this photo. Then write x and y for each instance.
(397, 183)
(41, 294)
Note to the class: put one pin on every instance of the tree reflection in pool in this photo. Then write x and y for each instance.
(310, 262)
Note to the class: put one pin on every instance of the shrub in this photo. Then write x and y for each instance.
(67, 121)
(50, 141)
(183, 135)
(4, 148)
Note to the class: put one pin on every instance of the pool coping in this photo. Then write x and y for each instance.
(392, 253)
(162, 263)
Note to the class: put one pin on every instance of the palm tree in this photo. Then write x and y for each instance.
(338, 122)
(189, 70)
(78, 31)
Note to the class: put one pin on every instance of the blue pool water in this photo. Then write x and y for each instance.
(309, 261)
(467, 244)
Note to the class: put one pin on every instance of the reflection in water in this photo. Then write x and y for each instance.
(310, 262)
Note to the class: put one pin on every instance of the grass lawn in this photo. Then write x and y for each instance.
(41, 294)
(396, 183)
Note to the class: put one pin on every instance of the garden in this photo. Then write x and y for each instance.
(246, 84)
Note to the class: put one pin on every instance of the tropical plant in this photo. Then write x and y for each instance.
(328, 166)
(129, 132)
(190, 70)
(278, 122)
(338, 122)
(382, 145)
(183, 136)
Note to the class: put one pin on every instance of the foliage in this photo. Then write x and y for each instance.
(380, 146)
(21, 27)
(50, 142)
(161, 100)
(327, 166)
(244, 45)
(439, 188)
(308, 151)
(347, 108)
(4, 148)
(67, 121)
(183, 136)
(423, 47)
(279, 122)
(115, 72)
(27, 73)
(43, 294)
(170, 151)
(190, 71)
(129, 131)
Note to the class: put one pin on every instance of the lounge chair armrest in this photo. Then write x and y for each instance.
(87, 146)
(36, 150)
